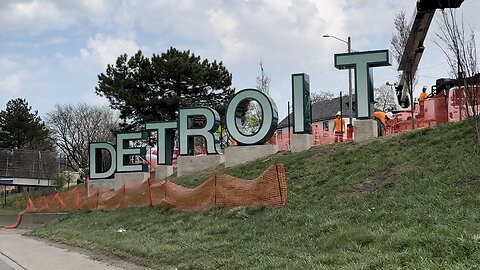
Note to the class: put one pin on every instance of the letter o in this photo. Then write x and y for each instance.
(234, 114)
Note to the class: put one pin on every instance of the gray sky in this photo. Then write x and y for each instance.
(52, 50)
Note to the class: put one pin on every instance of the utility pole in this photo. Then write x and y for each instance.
(341, 112)
(288, 124)
(350, 99)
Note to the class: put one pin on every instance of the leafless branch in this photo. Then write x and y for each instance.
(74, 127)
(459, 46)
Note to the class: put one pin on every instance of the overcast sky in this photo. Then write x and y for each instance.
(51, 51)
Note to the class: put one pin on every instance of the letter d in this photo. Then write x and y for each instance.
(96, 160)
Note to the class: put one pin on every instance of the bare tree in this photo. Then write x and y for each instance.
(73, 127)
(263, 81)
(321, 96)
(398, 43)
(385, 98)
(459, 47)
(253, 115)
(400, 35)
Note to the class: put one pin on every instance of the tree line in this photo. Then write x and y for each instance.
(140, 89)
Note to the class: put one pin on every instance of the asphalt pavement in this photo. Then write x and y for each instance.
(4, 266)
(18, 252)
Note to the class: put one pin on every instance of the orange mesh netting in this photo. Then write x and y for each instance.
(269, 189)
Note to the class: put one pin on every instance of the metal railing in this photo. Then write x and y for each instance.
(20, 163)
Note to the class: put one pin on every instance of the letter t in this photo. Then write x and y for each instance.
(362, 62)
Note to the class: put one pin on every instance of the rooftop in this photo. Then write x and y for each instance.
(325, 110)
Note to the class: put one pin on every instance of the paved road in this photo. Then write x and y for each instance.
(4, 266)
(18, 252)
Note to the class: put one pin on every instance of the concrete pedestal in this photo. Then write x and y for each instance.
(117, 182)
(187, 165)
(242, 154)
(163, 171)
(301, 142)
(364, 130)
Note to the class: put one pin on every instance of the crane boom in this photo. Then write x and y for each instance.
(414, 48)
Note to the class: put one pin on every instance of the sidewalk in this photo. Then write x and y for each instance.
(18, 252)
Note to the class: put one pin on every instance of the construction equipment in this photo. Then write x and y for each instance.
(443, 84)
(414, 47)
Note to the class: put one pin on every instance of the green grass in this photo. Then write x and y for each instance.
(18, 201)
(422, 213)
(8, 211)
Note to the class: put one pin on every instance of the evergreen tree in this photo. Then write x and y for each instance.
(20, 128)
(151, 89)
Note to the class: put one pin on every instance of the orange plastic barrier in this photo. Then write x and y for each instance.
(449, 106)
(221, 190)
(321, 137)
(282, 141)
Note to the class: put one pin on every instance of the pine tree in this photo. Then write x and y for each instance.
(152, 89)
(20, 128)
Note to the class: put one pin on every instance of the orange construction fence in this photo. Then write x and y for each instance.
(220, 190)
(320, 137)
(448, 106)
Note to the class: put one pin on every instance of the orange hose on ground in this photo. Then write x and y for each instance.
(19, 218)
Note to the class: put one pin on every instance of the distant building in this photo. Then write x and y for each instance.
(323, 114)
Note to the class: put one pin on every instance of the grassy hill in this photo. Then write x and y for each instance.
(410, 201)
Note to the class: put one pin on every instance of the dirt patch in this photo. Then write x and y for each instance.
(468, 182)
(374, 183)
(402, 144)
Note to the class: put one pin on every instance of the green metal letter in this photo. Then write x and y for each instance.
(165, 140)
(96, 160)
(124, 152)
(235, 113)
(362, 62)
(211, 123)
(302, 117)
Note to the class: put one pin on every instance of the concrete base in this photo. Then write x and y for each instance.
(163, 171)
(243, 154)
(117, 182)
(301, 142)
(364, 130)
(29, 220)
(187, 165)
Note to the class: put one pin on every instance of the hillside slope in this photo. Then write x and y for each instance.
(406, 201)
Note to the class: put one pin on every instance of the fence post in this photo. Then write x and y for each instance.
(77, 199)
(279, 186)
(60, 201)
(98, 195)
(4, 196)
(150, 192)
(215, 189)
(165, 190)
(123, 195)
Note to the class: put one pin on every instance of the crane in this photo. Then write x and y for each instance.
(414, 48)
